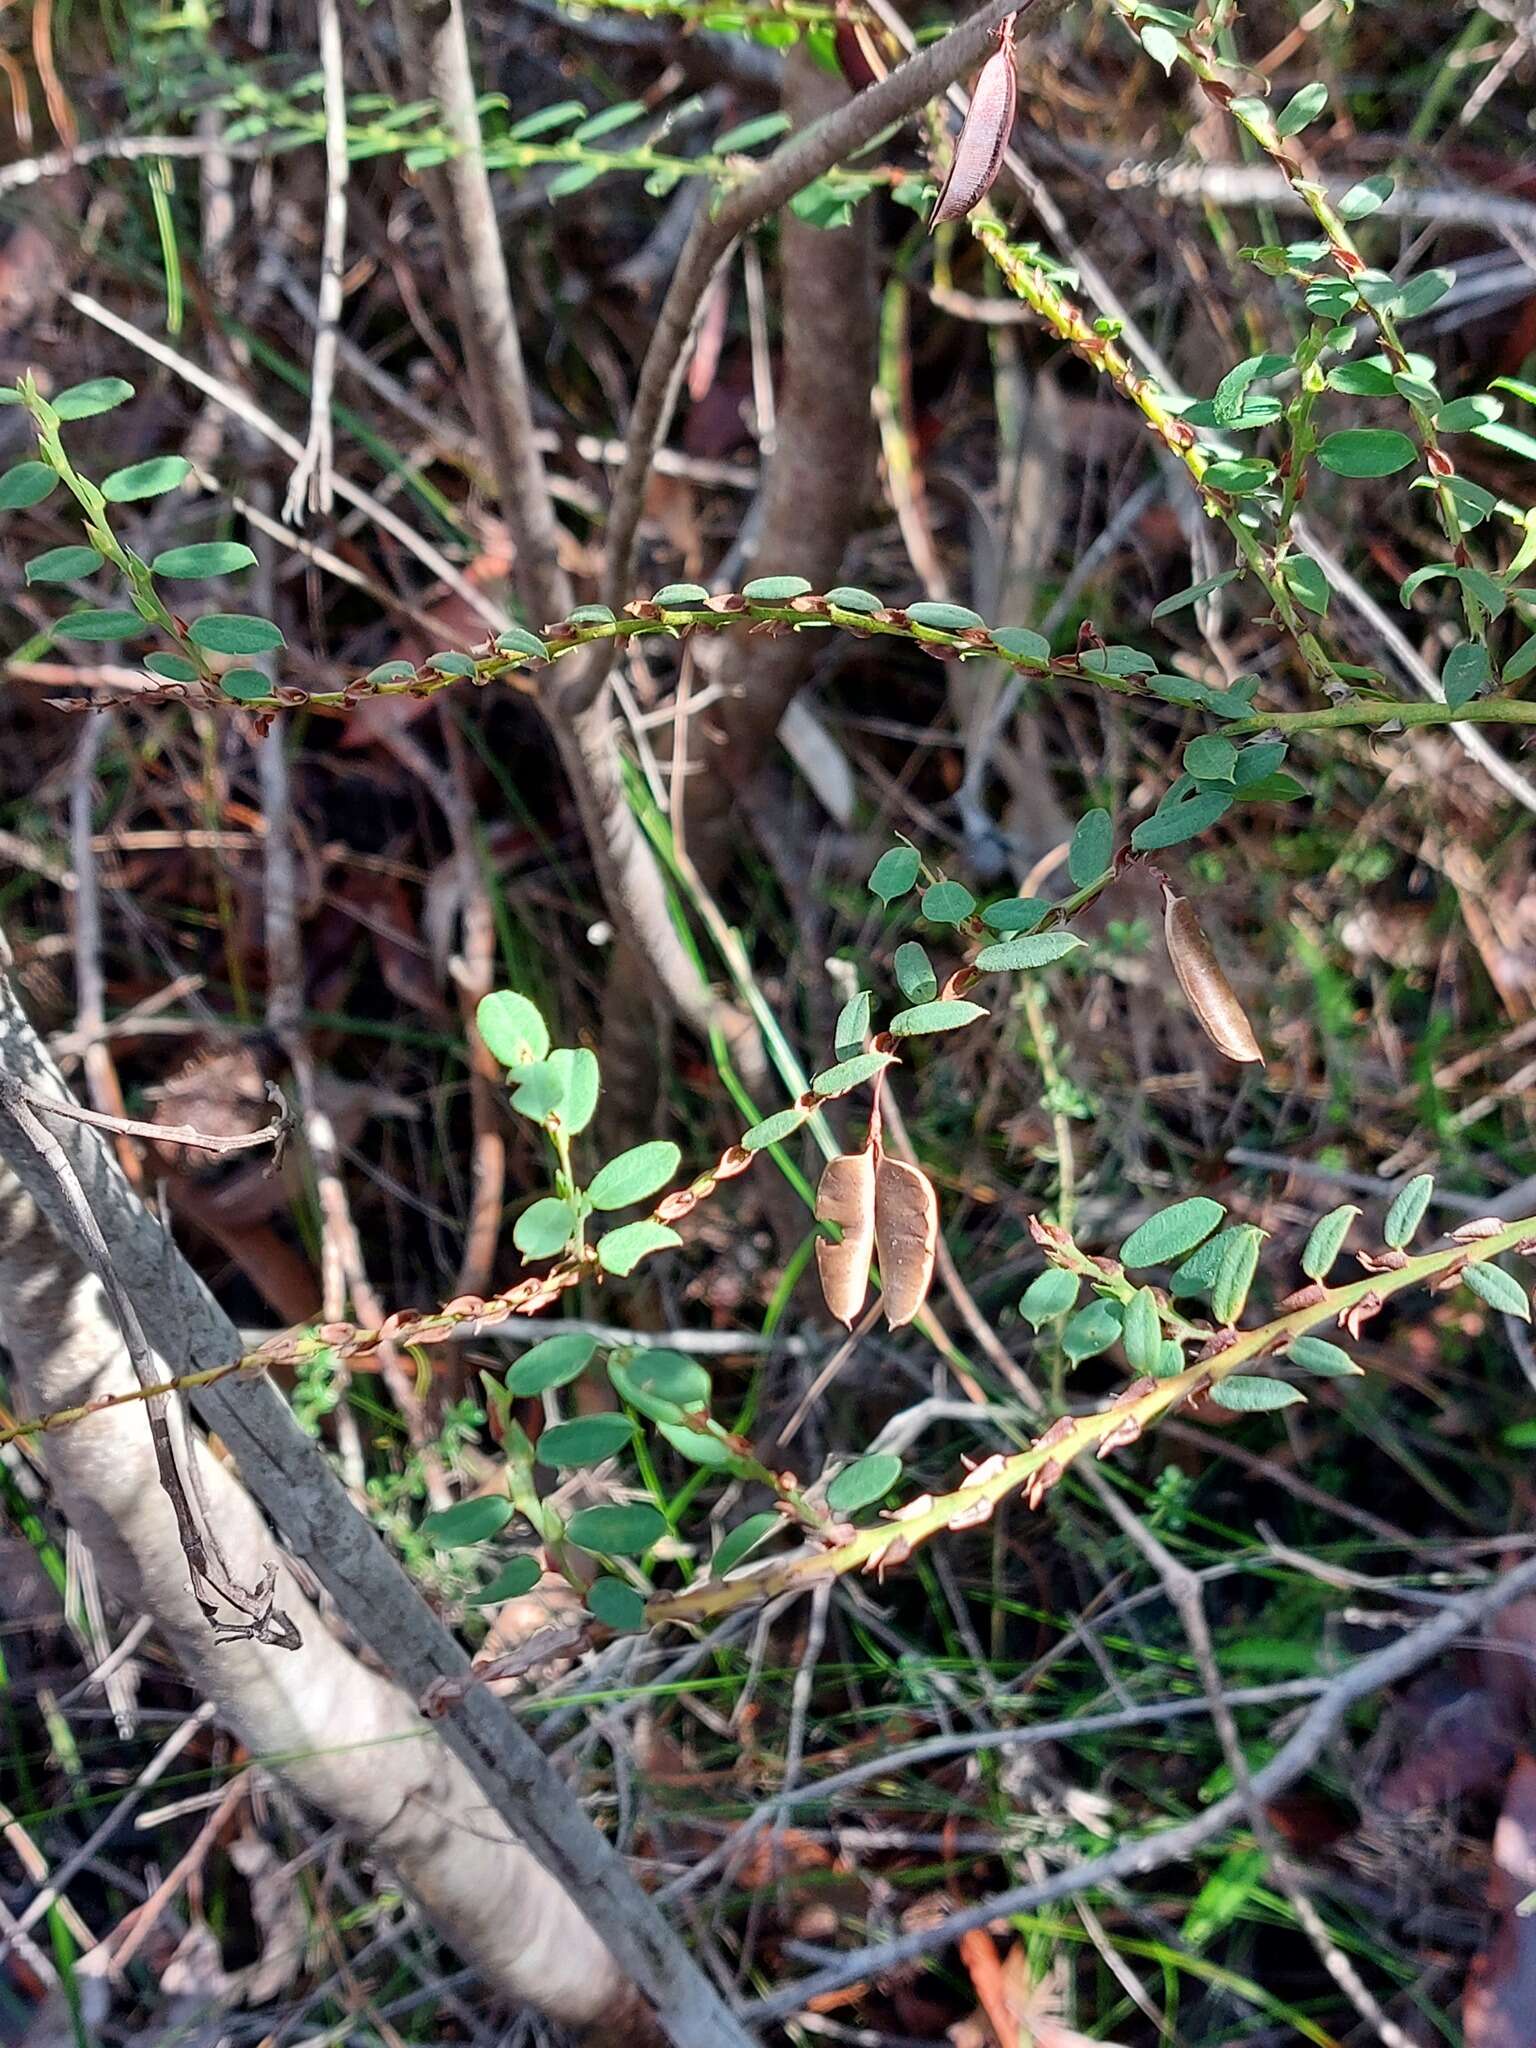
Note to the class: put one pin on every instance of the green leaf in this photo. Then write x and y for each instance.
(1036, 949)
(1463, 415)
(245, 685)
(1407, 1210)
(1499, 1289)
(1422, 293)
(1365, 198)
(1303, 109)
(553, 1362)
(1171, 824)
(616, 1605)
(1234, 1276)
(450, 661)
(919, 983)
(946, 618)
(1092, 1330)
(586, 1441)
(1467, 670)
(206, 558)
(852, 1025)
(1327, 1241)
(235, 633)
(1255, 1396)
(519, 1575)
(390, 672)
(607, 119)
(1257, 763)
(862, 1483)
(590, 615)
(948, 903)
(665, 1385)
(620, 1251)
(1210, 759)
(930, 1017)
(467, 1521)
(576, 179)
(85, 401)
(775, 589)
(1362, 380)
(1048, 1295)
(681, 593)
(1170, 1360)
(643, 1170)
(561, 115)
(1171, 1232)
(96, 625)
(701, 1448)
(563, 1087)
(773, 1130)
(1366, 451)
(850, 1073)
(1198, 1272)
(27, 484)
(737, 1543)
(849, 598)
(1143, 1331)
(544, 1228)
(146, 479)
(618, 1531)
(64, 565)
(894, 873)
(1521, 662)
(1016, 913)
(517, 640)
(1194, 593)
(1093, 843)
(513, 1031)
(174, 668)
(1021, 644)
(1328, 1361)
(748, 134)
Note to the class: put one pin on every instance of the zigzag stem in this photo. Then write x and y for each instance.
(1042, 1466)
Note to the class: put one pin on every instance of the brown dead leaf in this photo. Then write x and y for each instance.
(906, 1237)
(1206, 988)
(846, 1197)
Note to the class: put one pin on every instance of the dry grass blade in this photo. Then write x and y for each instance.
(906, 1237)
(1206, 988)
(846, 1196)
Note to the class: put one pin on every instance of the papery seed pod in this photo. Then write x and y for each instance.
(906, 1237)
(846, 1196)
(983, 135)
(858, 58)
(1206, 988)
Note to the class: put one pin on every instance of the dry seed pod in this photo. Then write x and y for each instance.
(1206, 989)
(846, 1197)
(906, 1238)
(984, 134)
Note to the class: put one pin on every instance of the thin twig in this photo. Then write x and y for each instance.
(275, 1134)
(311, 482)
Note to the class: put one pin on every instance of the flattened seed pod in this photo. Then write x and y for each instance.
(984, 134)
(846, 1196)
(1206, 989)
(906, 1237)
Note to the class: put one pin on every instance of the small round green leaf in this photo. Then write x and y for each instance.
(895, 872)
(1021, 644)
(544, 1228)
(1092, 1330)
(666, 1385)
(552, 1363)
(1093, 843)
(1048, 1295)
(27, 484)
(206, 558)
(517, 640)
(1171, 1233)
(948, 903)
(620, 1251)
(467, 1521)
(587, 1441)
(625, 1530)
(63, 565)
(235, 633)
(245, 685)
(616, 1605)
(519, 1575)
(862, 1483)
(642, 1171)
(513, 1031)
(775, 589)
(146, 479)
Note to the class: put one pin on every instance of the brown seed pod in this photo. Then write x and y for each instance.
(906, 1237)
(846, 1196)
(984, 134)
(1206, 989)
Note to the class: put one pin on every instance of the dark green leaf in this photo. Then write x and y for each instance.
(1366, 451)
(862, 1483)
(1303, 109)
(146, 479)
(64, 565)
(587, 1441)
(739, 1542)
(205, 558)
(245, 685)
(1462, 415)
(467, 1521)
(1422, 293)
(1016, 913)
(948, 903)
(235, 633)
(97, 625)
(175, 668)
(1171, 1232)
(85, 401)
(27, 484)
(1467, 671)
(553, 1362)
(519, 1575)
(1173, 823)
(618, 1531)
(1210, 759)
(1194, 593)
(665, 1385)
(616, 1605)
(1022, 644)
(1092, 1330)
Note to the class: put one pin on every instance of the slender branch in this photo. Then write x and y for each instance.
(311, 483)
(275, 1134)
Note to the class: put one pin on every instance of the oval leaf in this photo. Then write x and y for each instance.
(620, 1251)
(642, 1171)
(1037, 949)
(862, 1483)
(1048, 1295)
(519, 1575)
(625, 1530)
(235, 633)
(551, 1363)
(739, 1542)
(1172, 1233)
(665, 1385)
(616, 1605)
(146, 479)
(1366, 451)
(894, 873)
(587, 1441)
(930, 1017)
(544, 1228)
(1407, 1210)
(1255, 1396)
(1327, 1241)
(467, 1521)
(513, 1031)
(1499, 1289)
(207, 558)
